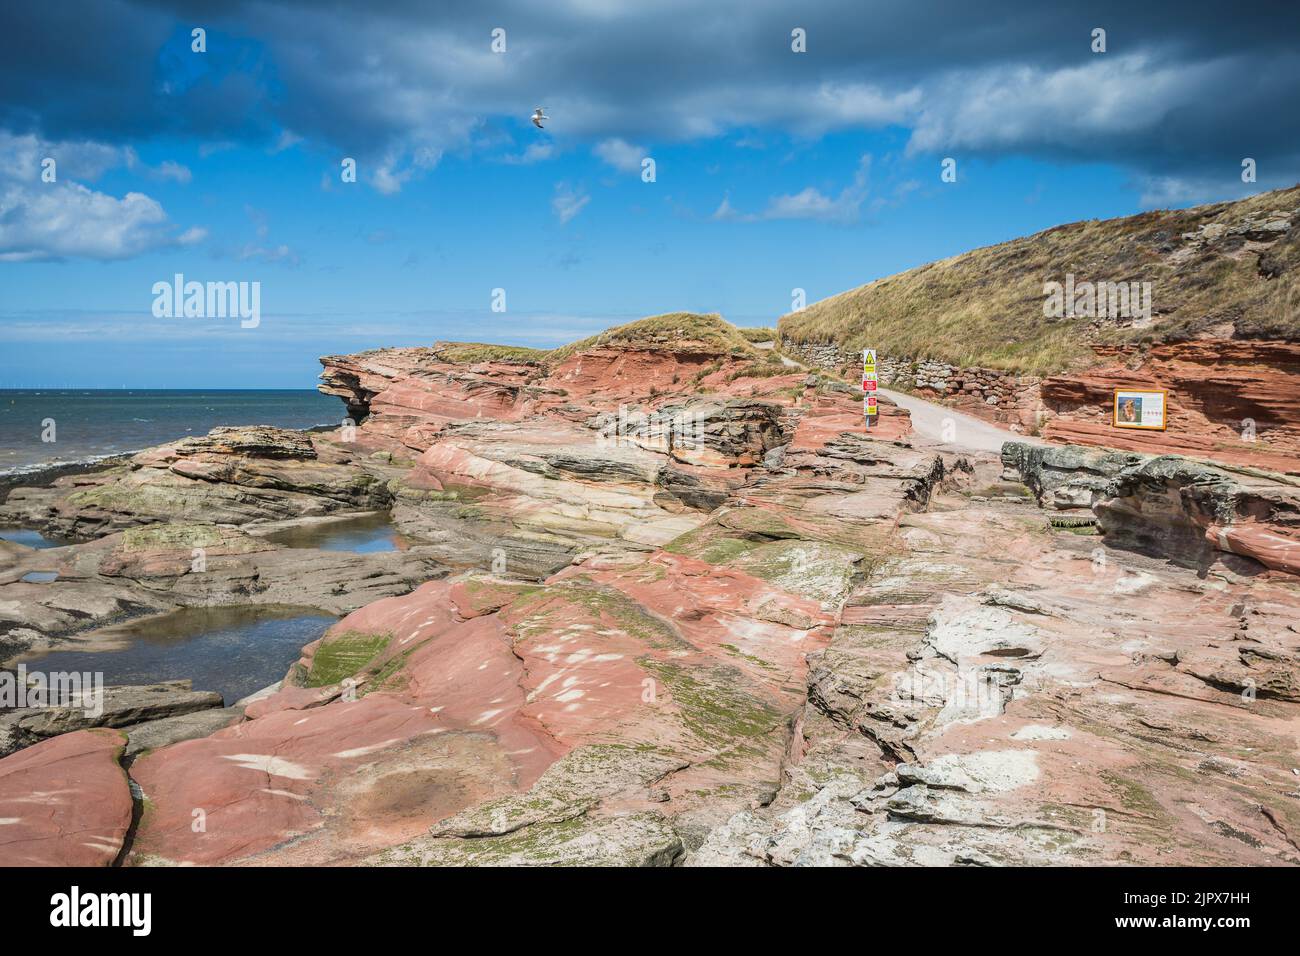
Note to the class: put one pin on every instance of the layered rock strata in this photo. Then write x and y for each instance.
(697, 616)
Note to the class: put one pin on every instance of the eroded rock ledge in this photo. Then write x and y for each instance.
(1169, 505)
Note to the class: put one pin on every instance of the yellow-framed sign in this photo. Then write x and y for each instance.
(869, 385)
(1141, 408)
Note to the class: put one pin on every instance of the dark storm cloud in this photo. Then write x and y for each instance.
(1183, 93)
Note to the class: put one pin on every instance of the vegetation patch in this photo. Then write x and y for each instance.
(824, 572)
(1134, 797)
(343, 655)
(712, 704)
(709, 543)
(762, 370)
(682, 332)
(537, 612)
(183, 537)
(155, 498)
(491, 595)
(390, 676)
(471, 352)
(735, 651)
(638, 839)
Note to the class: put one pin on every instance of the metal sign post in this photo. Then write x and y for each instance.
(869, 385)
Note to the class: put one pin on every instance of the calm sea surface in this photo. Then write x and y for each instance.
(90, 423)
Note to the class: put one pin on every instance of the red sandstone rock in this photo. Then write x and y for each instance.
(65, 801)
(826, 417)
(390, 759)
(633, 373)
(718, 656)
(1216, 389)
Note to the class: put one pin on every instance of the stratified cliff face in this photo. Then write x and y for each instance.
(685, 611)
(404, 393)
(1233, 401)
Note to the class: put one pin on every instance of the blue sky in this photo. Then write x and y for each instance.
(224, 166)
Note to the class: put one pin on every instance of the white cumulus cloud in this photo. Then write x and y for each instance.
(809, 202)
(42, 220)
(620, 154)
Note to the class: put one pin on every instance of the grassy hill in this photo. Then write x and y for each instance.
(471, 352)
(1234, 276)
(678, 331)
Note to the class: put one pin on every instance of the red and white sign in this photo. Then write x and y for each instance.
(869, 385)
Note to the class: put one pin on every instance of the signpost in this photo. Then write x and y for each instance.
(870, 383)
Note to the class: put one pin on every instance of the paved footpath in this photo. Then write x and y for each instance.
(928, 418)
(968, 432)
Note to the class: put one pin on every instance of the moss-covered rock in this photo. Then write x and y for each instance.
(185, 537)
(712, 704)
(637, 839)
(809, 568)
(343, 655)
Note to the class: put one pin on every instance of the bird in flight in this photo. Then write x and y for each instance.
(538, 116)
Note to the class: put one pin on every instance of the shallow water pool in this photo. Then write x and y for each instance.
(363, 535)
(32, 539)
(232, 650)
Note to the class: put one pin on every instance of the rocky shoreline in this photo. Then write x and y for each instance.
(42, 476)
(666, 604)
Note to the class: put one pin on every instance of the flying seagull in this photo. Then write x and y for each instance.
(538, 116)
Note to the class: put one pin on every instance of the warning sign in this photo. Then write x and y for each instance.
(869, 385)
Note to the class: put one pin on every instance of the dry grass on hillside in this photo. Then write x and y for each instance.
(481, 352)
(985, 308)
(675, 331)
